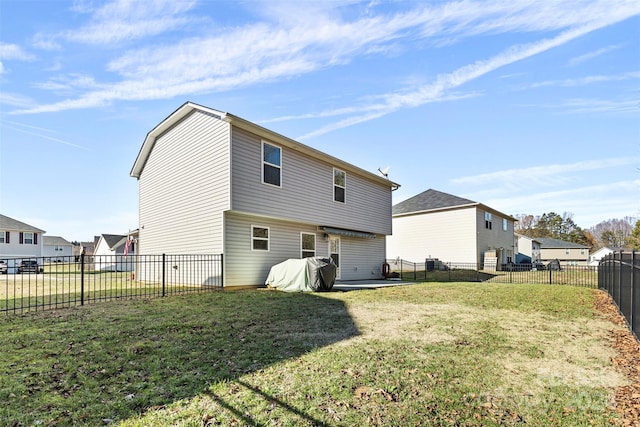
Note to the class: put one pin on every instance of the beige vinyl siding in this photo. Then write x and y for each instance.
(495, 238)
(306, 194)
(449, 236)
(184, 188)
(576, 256)
(246, 267)
(361, 259)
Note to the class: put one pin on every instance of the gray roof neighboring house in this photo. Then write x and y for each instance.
(7, 224)
(113, 239)
(433, 200)
(551, 243)
(55, 241)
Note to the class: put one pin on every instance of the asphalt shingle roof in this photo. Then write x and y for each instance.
(430, 200)
(7, 223)
(113, 239)
(55, 241)
(551, 243)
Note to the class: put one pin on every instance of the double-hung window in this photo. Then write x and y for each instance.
(3, 236)
(505, 224)
(487, 221)
(271, 164)
(259, 238)
(307, 245)
(27, 238)
(339, 185)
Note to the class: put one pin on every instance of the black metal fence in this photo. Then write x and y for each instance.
(619, 275)
(48, 283)
(439, 271)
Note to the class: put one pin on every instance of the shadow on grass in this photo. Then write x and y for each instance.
(114, 361)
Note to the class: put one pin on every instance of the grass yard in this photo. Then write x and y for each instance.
(458, 354)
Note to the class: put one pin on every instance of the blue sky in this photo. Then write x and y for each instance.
(526, 106)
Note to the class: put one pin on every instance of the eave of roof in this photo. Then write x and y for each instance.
(10, 224)
(188, 107)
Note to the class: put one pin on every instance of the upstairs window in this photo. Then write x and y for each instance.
(487, 221)
(259, 238)
(339, 185)
(4, 237)
(505, 224)
(308, 244)
(28, 238)
(271, 164)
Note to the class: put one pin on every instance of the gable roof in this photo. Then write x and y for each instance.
(433, 200)
(113, 239)
(7, 224)
(551, 243)
(55, 241)
(430, 200)
(189, 107)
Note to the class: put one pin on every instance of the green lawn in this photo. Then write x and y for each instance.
(426, 354)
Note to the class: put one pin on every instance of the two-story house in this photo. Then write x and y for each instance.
(18, 241)
(56, 248)
(567, 253)
(211, 182)
(437, 225)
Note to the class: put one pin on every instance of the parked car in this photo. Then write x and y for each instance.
(4, 268)
(29, 266)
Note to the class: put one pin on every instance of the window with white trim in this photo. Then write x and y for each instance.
(505, 224)
(307, 245)
(259, 238)
(339, 185)
(3, 238)
(487, 220)
(27, 238)
(271, 164)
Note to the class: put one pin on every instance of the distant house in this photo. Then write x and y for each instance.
(594, 258)
(527, 249)
(109, 253)
(214, 183)
(19, 240)
(437, 225)
(567, 253)
(55, 248)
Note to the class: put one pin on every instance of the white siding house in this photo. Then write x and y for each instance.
(594, 258)
(55, 248)
(19, 241)
(109, 253)
(451, 229)
(213, 183)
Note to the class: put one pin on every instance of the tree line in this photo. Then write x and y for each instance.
(613, 233)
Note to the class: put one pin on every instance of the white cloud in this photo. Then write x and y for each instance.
(583, 81)
(590, 55)
(539, 175)
(259, 52)
(10, 51)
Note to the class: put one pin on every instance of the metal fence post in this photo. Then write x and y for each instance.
(164, 270)
(82, 278)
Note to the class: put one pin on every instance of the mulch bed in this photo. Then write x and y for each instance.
(627, 361)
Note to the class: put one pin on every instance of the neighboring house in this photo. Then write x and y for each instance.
(55, 248)
(109, 254)
(527, 249)
(437, 225)
(568, 253)
(214, 183)
(594, 258)
(19, 240)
